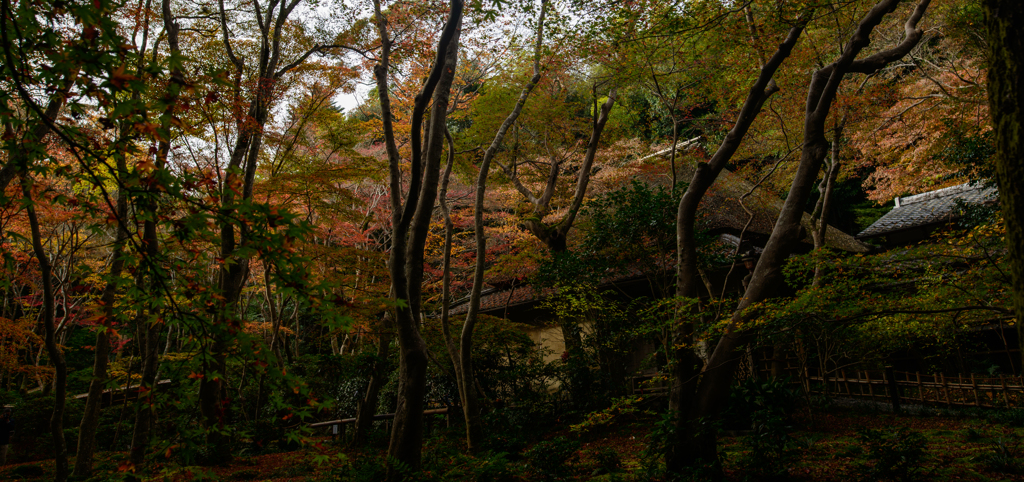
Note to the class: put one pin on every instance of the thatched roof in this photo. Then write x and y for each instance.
(724, 212)
(733, 201)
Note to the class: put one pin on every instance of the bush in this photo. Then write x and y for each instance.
(518, 424)
(625, 407)
(486, 467)
(898, 454)
(28, 471)
(771, 449)
(606, 461)
(555, 458)
(246, 474)
(752, 396)
(32, 439)
(1013, 417)
(1002, 457)
(661, 436)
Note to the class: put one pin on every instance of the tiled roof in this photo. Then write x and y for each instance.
(930, 207)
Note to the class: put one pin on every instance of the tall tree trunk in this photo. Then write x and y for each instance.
(695, 441)
(151, 249)
(60, 367)
(1003, 19)
(367, 406)
(91, 416)
(819, 217)
(688, 364)
(411, 224)
(462, 354)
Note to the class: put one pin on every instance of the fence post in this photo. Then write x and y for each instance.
(974, 386)
(1006, 400)
(945, 389)
(894, 389)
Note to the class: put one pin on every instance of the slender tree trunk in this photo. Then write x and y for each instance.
(90, 419)
(1003, 19)
(462, 355)
(151, 248)
(367, 406)
(675, 142)
(144, 414)
(819, 217)
(411, 224)
(60, 367)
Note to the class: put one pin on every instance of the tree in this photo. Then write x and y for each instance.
(1006, 104)
(271, 66)
(688, 364)
(554, 235)
(709, 393)
(462, 353)
(33, 37)
(410, 224)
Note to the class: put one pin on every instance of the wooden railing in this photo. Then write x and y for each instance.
(890, 386)
(898, 387)
(338, 426)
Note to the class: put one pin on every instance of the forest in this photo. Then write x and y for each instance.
(511, 240)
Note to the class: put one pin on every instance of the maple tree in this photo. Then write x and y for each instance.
(181, 187)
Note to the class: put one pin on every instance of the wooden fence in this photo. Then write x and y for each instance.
(898, 387)
(890, 386)
(338, 426)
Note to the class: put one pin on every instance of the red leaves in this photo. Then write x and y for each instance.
(118, 78)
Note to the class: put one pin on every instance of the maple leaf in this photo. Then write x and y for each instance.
(118, 78)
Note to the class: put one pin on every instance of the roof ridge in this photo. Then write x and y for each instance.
(946, 191)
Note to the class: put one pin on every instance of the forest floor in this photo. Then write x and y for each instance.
(823, 446)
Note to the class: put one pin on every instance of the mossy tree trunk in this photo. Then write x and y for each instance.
(1003, 19)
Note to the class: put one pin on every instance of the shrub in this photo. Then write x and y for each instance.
(625, 407)
(1002, 457)
(28, 471)
(771, 449)
(662, 434)
(32, 439)
(554, 458)
(246, 474)
(487, 467)
(752, 396)
(606, 461)
(898, 454)
(1013, 417)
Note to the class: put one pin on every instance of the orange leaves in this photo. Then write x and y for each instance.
(16, 335)
(118, 78)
